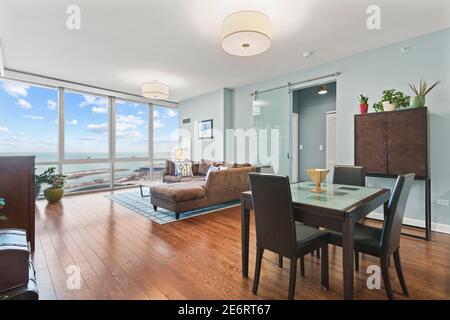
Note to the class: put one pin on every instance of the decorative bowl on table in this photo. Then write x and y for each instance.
(317, 176)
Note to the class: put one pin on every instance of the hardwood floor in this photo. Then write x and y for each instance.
(122, 255)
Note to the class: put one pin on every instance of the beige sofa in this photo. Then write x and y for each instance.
(221, 186)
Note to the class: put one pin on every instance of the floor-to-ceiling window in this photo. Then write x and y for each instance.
(165, 137)
(132, 147)
(98, 141)
(29, 122)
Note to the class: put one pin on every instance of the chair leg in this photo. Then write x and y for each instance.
(398, 268)
(155, 208)
(356, 260)
(302, 266)
(280, 261)
(292, 278)
(259, 255)
(324, 267)
(318, 253)
(386, 278)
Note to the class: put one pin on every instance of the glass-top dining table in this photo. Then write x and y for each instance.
(337, 208)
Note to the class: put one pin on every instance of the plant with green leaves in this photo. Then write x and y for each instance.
(398, 98)
(378, 106)
(2, 204)
(421, 91)
(57, 181)
(45, 176)
(363, 99)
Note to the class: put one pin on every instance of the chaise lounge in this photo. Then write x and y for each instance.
(220, 187)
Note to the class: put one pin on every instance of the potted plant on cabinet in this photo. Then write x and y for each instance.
(56, 191)
(2, 204)
(39, 179)
(363, 104)
(392, 100)
(421, 92)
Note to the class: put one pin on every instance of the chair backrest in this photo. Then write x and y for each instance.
(350, 175)
(272, 203)
(392, 227)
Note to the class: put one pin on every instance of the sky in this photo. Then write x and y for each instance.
(28, 124)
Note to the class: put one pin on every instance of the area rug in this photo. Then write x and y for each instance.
(142, 206)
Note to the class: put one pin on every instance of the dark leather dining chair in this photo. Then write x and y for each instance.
(383, 243)
(277, 231)
(350, 175)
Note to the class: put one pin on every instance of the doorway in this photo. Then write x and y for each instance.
(315, 141)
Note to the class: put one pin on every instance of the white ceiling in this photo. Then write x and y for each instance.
(123, 43)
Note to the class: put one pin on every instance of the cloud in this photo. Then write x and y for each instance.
(128, 134)
(70, 122)
(15, 89)
(140, 113)
(31, 117)
(4, 130)
(51, 104)
(24, 104)
(93, 100)
(171, 113)
(155, 114)
(158, 124)
(100, 110)
(127, 125)
(98, 127)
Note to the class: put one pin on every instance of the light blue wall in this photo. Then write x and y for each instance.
(370, 73)
(216, 105)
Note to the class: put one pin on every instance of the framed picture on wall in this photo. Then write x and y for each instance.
(205, 129)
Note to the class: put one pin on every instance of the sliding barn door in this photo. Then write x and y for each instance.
(272, 122)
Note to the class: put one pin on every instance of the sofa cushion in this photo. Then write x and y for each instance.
(192, 178)
(170, 168)
(183, 191)
(195, 167)
(204, 166)
(171, 179)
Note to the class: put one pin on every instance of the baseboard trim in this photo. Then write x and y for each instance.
(437, 227)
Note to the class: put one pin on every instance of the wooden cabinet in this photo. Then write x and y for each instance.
(17, 188)
(371, 143)
(393, 143)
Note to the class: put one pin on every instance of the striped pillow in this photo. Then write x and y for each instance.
(183, 170)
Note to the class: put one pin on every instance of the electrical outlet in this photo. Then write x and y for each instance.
(442, 202)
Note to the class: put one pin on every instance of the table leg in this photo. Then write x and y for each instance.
(347, 256)
(245, 230)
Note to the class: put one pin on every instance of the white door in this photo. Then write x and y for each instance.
(294, 148)
(331, 144)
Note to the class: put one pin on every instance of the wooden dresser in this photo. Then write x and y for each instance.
(17, 188)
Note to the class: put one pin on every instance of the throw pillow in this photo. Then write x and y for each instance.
(195, 167)
(211, 169)
(184, 170)
(170, 168)
(203, 167)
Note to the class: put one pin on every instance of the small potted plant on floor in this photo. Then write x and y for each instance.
(421, 92)
(393, 100)
(39, 179)
(363, 104)
(2, 204)
(56, 191)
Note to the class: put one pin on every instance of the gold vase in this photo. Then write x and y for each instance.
(317, 176)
